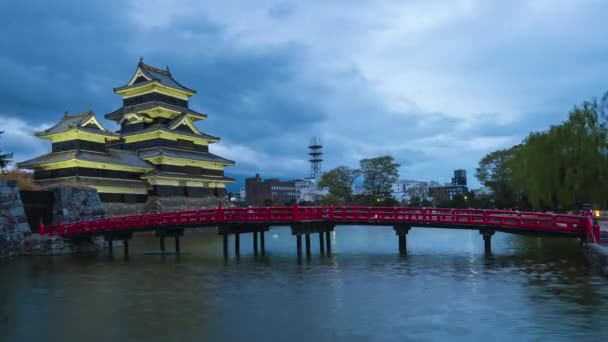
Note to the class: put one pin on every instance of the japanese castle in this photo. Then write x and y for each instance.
(157, 151)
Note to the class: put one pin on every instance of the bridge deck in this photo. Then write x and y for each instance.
(507, 221)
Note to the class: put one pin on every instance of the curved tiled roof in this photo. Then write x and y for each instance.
(164, 128)
(163, 77)
(117, 157)
(70, 122)
(118, 114)
(191, 155)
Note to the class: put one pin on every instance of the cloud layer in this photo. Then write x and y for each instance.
(436, 84)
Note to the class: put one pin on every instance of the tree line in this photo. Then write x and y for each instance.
(559, 169)
(379, 174)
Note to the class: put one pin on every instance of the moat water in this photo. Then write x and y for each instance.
(445, 289)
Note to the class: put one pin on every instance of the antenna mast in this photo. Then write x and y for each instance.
(315, 157)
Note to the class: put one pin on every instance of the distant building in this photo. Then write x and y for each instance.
(448, 191)
(243, 194)
(460, 177)
(307, 190)
(258, 190)
(404, 189)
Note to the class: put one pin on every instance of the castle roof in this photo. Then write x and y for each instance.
(85, 122)
(118, 114)
(145, 74)
(182, 154)
(165, 128)
(117, 157)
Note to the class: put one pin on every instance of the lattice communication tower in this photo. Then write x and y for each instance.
(315, 154)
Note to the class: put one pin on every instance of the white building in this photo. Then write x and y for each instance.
(307, 190)
(243, 194)
(483, 191)
(404, 189)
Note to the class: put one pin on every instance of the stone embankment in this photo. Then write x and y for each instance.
(597, 253)
(72, 204)
(13, 223)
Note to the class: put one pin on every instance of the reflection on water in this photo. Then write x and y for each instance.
(445, 289)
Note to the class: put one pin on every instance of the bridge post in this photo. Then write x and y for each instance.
(262, 247)
(487, 240)
(299, 244)
(255, 242)
(237, 244)
(321, 242)
(225, 238)
(402, 232)
(110, 247)
(307, 245)
(162, 243)
(176, 243)
(125, 243)
(328, 241)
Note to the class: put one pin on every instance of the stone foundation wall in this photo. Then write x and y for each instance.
(13, 223)
(165, 204)
(53, 245)
(124, 209)
(597, 256)
(76, 203)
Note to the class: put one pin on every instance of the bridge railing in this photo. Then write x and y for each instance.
(355, 214)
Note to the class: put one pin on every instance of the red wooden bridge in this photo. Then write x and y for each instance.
(323, 219)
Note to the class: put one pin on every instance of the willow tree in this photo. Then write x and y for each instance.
(567, 165)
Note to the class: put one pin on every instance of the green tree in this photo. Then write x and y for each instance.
(339, 181)
(379, 175)
(5, 158)
(567, 165)
(494, 172)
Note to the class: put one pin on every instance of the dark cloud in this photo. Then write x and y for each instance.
(266, 98)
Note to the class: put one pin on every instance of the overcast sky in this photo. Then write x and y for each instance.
(435, 84)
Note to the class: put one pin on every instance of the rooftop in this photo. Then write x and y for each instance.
(85, 122)
(118, 157)
(118, 114)
(145, 74)
(182, 154)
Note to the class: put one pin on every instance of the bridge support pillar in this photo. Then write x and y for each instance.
(163, 233)
(118, 236)
(487, 240)
(225, 238)
(262, 246)
(255, 242)
(328, 241)
(321, 242)
(402, 232)
(237, 244)
(299, 244)
(307, 245)
(125, 244)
